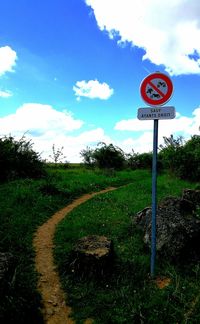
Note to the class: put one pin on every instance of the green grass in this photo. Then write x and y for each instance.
(128, 295)
(25, 205)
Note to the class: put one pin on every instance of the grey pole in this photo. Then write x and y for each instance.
(154, 197)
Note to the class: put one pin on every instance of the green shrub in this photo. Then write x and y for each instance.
(109, 157)
(87, 155)
(171, 153)
(18, 159)
(131, 160)
(104, 157)
(182, 158)
(144, 161)
(190, 166)
(139, 161)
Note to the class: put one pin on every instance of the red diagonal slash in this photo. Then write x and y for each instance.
(156, 89)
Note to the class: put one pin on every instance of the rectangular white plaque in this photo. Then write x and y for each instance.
(151, 113)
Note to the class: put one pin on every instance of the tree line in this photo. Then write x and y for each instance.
(179, 157)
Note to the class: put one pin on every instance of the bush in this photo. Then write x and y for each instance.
(87, 155)
(171, 153)
(131, 160)
(144, 161)
(190, 166)
(109, 157)
(18, 159)
(182, 158)
(104, 157)
(139, 161)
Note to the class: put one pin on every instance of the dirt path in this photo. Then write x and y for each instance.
(55, 310)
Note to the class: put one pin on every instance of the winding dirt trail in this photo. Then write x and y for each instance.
(55, 310)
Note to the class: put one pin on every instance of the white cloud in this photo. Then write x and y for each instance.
(92, 89)
(133, 125)
(181, 125)
(47, 126)
(5, 94)
(73, 145)
(141, 144)
(168, 31)
(8, 59)
(39, 118)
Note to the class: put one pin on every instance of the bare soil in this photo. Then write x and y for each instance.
(54, 306)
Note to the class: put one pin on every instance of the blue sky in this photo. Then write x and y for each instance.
(70, 70)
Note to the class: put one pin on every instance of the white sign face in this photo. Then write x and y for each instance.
(151, 113)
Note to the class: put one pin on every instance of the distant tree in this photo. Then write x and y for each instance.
(57, 155)
(189, 168)
(170, 153)
(87, 155)
(144, 160)
(104, 156)
(109, 156)
(131, 160)
(182, 158)
(172, 142)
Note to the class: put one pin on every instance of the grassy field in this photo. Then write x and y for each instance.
(25, 205)
(128, 295)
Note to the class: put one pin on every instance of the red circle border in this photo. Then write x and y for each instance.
(167, 96)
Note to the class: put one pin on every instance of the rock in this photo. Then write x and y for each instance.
(178, 228)
(192, 195)
(143, 217)
(91, 256)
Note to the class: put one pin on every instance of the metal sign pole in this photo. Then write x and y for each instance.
(154, 197)
(156, 89)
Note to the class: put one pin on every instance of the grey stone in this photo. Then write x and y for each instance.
(192, 195)
(178, 228)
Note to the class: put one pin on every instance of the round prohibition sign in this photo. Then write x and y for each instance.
(156, 89)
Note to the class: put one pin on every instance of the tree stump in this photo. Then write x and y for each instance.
(92, 256)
